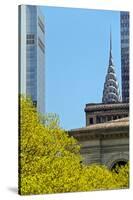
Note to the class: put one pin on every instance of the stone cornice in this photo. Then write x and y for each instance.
(114, 129)
(103, 107)
(94, 136)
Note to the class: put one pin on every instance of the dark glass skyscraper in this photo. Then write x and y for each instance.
(32, 54)
(124, 22)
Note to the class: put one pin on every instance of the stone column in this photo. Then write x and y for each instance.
(94, 119)
(106, 118)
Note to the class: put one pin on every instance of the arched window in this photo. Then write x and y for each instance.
(118, 164)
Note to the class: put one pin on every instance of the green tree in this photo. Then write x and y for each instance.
(46, 152)
(121, 175)
(50, 161)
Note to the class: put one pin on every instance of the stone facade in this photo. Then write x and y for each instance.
(106, 143)
(100, 112)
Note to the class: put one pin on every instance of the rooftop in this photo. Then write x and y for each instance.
(102, 106)
(123, 122)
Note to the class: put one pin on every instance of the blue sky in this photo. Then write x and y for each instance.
(76, 59)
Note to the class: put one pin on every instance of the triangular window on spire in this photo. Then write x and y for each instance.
(111, 89)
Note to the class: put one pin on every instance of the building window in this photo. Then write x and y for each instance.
(114, 117)
(30, 39)
(91, 120)
(98, 120)
(41, 25)
(41, 45)
(35, 103)
(109, 118)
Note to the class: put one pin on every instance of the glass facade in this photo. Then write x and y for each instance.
(32, 50)
(124, 22)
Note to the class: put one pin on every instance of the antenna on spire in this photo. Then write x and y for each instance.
(111, 91)
(110, 56)
(110, 39)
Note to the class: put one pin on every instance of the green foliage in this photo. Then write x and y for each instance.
(51, 120)
(46, 153)
(121, 175)
(50, 161)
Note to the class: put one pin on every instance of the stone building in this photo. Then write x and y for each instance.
(106, 143)
(105, 139)
(100, 113)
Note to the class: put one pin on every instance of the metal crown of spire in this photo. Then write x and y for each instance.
(111, 91)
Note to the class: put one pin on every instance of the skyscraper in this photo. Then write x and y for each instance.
(111, 93)
(111, 107)
(124, 22)
(32, 55)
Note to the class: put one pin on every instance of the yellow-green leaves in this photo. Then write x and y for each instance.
(122, 176)
(50, 161)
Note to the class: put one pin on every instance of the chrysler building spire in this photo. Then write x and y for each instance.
(110, 56)
(111, 91)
